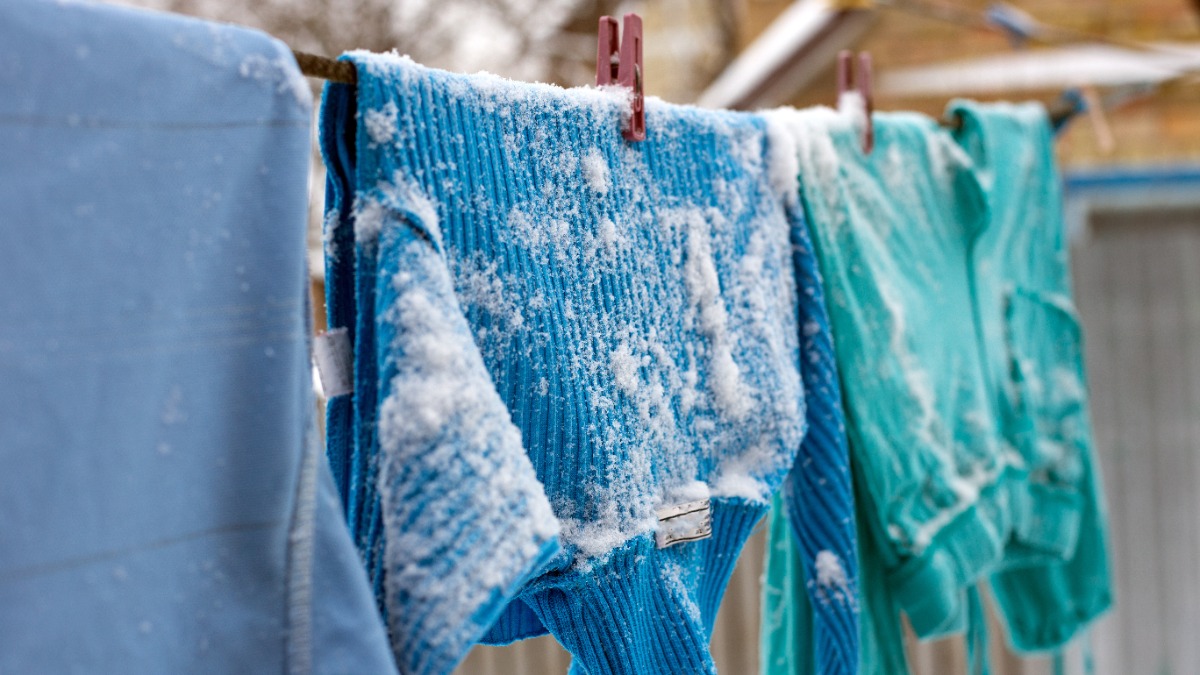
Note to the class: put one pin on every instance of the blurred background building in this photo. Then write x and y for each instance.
(1132, 177)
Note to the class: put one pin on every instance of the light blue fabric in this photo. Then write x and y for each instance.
(166, 509)
(631, 307)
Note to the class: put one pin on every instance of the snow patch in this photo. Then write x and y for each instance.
(595, 172)
(381, 123)
(392, 201)
(830, 573)
(279, 73)
(783, 165)
(625, 369)
(449, 455)
(704, 290)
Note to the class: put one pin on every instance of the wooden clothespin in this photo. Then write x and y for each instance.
(621, 63)
(847, 82)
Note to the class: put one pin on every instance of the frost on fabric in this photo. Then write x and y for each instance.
(680, 582)
(704, 290)
(595, 171)
(279, 73)
(381, 123)
(784, 164)
(329, 228)
(482, 288)
(496, 94)
(450, 457)
(609, 528)
(946, 156)
(966, 489)
(852, 106)
(830, 573)
(916, 378)
(625, 367)
(395, 199)
(812, 135)
(832, 582)
(667, 323)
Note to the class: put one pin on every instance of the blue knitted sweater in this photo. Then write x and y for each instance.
(519, 278)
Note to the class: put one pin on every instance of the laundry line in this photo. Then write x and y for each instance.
(333, 70)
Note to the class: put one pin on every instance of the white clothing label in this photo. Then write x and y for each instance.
(689, 521)
(331, 351)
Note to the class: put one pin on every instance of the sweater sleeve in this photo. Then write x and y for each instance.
(818, 493)
(463, 520)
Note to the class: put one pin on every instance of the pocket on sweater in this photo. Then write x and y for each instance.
(1046, 386)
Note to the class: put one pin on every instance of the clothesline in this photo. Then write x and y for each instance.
(325, 68)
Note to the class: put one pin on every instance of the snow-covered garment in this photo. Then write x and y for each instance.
(522, 282)
(165, 505)
(894, 233)
(818, 494)
(1034, 347)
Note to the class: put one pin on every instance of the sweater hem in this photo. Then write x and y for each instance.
(929, 587)
(643, 609)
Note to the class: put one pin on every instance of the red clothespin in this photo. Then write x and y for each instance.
(622, 63)
(846, 79)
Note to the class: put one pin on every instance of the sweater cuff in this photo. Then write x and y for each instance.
(930, 586)
(642, 609)
(1046, 521)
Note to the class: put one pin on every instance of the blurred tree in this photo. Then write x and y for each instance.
(546, 40)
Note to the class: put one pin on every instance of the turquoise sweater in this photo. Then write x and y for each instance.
(1034, 346)
(995, 207)
(521, 280)
(895, 231)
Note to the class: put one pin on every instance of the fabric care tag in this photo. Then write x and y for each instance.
(331, 351)
(689, 521)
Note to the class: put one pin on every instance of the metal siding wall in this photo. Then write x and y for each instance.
(1138, 287)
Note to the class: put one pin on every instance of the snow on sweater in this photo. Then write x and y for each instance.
(519, 277)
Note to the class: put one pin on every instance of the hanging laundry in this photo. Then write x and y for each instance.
(818, 493)
(787, 632)
(166, 507)
(894, 232)
(521, 280)
(1033, 343)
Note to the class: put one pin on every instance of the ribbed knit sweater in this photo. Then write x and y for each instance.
(627, 317)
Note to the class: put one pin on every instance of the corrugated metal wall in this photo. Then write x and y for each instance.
(1139, 294)
(1137, 280)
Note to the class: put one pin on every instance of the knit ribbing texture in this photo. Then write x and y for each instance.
(631, 310)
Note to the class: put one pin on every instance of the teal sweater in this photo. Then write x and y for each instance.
(895, 232)
(1034, 346)
(1044, 548)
